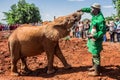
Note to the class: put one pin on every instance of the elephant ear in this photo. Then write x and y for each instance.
(61, 21)
(61, 24)
(63, 28)
(56, 29)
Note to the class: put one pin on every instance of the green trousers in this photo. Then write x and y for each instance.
(96, 59)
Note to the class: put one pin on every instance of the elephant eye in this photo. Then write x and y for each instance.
(75, 16)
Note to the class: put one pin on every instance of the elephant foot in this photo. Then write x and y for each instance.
(50, 71)
(68, 66)
(26, 72)
(14, 74)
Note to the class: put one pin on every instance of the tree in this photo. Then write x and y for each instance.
(23, 12)
(117, 6)
(109, 18)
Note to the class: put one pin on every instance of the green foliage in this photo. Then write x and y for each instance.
(117, 6)
(22, 12)
(109, 18)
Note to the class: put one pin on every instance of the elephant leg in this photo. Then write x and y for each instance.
(49, 47)
(50, 57)
(15, 56)
(24, 64)
(14, 61)
(59, 54)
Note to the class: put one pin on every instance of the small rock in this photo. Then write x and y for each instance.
(1, 52)
(1, 71)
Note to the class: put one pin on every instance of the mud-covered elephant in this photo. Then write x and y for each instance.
(28, 41)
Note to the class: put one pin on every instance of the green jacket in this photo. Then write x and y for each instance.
(97, 21)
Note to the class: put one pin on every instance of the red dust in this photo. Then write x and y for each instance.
(75, 52)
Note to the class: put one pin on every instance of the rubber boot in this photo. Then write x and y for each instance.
(96, 72)
(93, 67)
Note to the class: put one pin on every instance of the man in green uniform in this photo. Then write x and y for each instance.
(95, 40)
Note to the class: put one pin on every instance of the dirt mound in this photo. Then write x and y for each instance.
(75, 52)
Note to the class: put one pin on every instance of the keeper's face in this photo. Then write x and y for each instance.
(94, 11)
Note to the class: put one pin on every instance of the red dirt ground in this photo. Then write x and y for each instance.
(75, 52)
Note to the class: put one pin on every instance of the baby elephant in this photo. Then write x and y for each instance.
(29, 40)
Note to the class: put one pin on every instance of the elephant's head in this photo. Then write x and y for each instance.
(72, 18)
